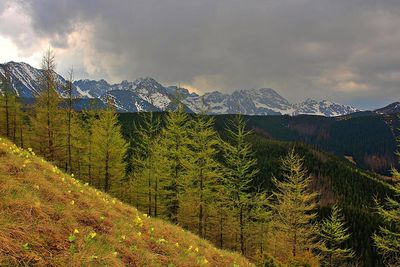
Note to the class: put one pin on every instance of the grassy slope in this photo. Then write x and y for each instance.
(40, 208)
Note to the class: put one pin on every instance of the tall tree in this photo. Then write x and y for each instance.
(47, 119)
(202, 171)
(387, 240)
(89, 117)
(174, 149)
(333, 234)
(7, 98)
(294, 212)
(109, 149)
(240, 167)
(69, 112)
(144, 159)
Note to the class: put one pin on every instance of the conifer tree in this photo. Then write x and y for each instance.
(89, 118)
(19, 123)
(202, 172)
(69, 112)
(78, 141)
(333, 234)
(47, 119)
(109, 149)
(294, 213)
(144, 160)
(387, 240)
(240, 167)
(173, 149)
(7, 98)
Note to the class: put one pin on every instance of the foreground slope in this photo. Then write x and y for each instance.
(48, 218)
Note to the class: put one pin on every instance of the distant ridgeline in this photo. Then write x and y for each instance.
(146, 94)
(366, 138)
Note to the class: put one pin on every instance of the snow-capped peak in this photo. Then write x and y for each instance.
(145, 94)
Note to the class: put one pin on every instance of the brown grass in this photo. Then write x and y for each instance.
(41, 207)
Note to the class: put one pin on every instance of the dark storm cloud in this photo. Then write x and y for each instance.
(344, 50)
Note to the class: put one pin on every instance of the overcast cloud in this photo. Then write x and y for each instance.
(344, 50)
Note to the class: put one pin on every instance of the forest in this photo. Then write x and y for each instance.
(278, 203)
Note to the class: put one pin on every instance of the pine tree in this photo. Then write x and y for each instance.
(387, 240)
(144, 160)
(202, 173)
(333, 234)
(173, 149)
(240, 167)
(294, 213)
(47, 119)
(109, 149)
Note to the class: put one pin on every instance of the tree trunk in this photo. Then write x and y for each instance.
(241, 222)
(107, 175)
(201, 226)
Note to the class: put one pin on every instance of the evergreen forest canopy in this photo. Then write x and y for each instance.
(277, 203)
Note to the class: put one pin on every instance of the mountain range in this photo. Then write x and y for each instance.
(146, 94)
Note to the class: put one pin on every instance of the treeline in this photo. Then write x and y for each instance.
(180, 169)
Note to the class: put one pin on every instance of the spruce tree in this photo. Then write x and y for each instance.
(387, 240)
(240, 167)
(109, 149)
(333, 234)
(294, 213)
(174, 150)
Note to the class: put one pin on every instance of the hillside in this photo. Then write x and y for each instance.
(336, 179)
(48, 218)
(345, 136)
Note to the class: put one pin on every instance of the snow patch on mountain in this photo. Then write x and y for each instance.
(146, 94)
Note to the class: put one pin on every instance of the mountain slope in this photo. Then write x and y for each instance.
(146, 94)
(393, 108)
(48, 218)
(322, 108)
(25, 80)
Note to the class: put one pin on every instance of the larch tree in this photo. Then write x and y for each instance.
(144, 160)
(333, 235)
(240, 170)
(7, 98)
(109, 150)
(89, 117)
(294, 213)
(19, 123)
(202, 173)
(47, 119)
(174, 149)
(387, 240)
(69, 113)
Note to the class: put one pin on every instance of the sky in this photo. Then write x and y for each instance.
(347, 51)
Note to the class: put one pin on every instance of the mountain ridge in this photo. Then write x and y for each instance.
(146, 94)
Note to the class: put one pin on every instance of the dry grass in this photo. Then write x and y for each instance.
(48, 218)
